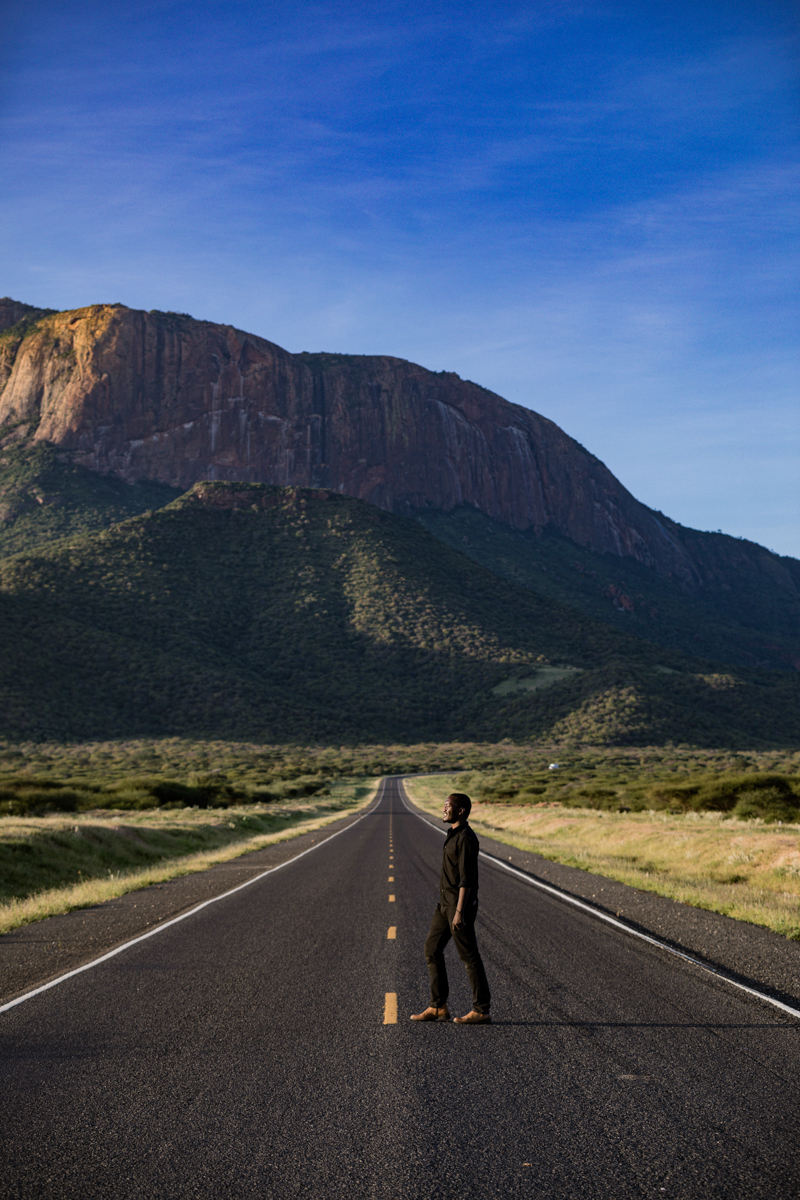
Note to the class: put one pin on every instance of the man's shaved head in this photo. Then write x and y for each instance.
(461, 802)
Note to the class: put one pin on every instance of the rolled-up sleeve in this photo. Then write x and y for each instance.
(468, 862)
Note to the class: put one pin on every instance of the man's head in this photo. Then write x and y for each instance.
(456, 808)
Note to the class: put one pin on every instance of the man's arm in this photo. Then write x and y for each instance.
(468, 869)
(463, 896)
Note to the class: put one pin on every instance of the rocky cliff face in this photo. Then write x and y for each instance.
(162, 396)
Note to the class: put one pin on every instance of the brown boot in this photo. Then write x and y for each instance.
(432, 1013)
(473, 1018)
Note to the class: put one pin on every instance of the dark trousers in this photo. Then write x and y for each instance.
(466, 944)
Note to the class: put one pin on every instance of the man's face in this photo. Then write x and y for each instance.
(451, 811)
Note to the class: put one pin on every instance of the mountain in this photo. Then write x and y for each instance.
(12, 313)
(105, 396)
(253, 612)
(162, 396)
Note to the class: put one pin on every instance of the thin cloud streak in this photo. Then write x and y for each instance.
(591, 211)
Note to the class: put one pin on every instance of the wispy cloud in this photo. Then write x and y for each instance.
(583, 206)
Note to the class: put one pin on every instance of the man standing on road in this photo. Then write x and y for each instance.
(455, 917)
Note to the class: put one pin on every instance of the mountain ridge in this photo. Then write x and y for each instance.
(104, 390)
(165, 397)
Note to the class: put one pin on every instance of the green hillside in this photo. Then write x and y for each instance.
(753, 622)
(44, 496)
(278, 615)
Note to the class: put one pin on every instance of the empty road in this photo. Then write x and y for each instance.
(250, 1051)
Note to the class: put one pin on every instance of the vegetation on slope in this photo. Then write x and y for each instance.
(12, 335)
(44, 497)
(244, 611)
(754, 622)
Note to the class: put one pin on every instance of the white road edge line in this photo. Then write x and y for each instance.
(174, 920)
(598, 912)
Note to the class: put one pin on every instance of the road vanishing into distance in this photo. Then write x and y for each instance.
(252, 1050)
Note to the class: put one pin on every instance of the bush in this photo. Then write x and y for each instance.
(131, 799)
(722, 794)
(172, 794)
(23, 801)
(26, 795)
(768, 803)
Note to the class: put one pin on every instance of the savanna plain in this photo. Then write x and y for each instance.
(82, 823)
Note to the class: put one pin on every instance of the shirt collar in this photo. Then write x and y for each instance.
(454, 829)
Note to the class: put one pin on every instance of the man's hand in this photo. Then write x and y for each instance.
(458, 920)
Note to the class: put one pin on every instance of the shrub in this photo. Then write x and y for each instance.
(22, 801)
(769, 803)
(721, 794)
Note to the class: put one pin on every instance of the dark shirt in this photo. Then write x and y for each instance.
(459, 863)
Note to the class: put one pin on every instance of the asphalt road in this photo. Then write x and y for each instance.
(243, 1052)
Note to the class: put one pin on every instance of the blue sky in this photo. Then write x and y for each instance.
(590, 208)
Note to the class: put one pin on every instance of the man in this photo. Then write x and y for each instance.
(455, 917)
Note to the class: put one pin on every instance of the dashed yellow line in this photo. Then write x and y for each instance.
(390, 1003)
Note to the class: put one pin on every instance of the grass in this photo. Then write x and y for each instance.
(49, 865)
(744, 869)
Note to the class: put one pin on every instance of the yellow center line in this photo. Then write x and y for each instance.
(392, 934)
(390, 1009)
(391, 899)
(390, 879)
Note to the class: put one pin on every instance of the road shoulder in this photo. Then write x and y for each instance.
(753, 955)
(39, 952)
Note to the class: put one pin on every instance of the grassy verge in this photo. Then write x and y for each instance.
(49, 865)
(250, 766)
(743, 869)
